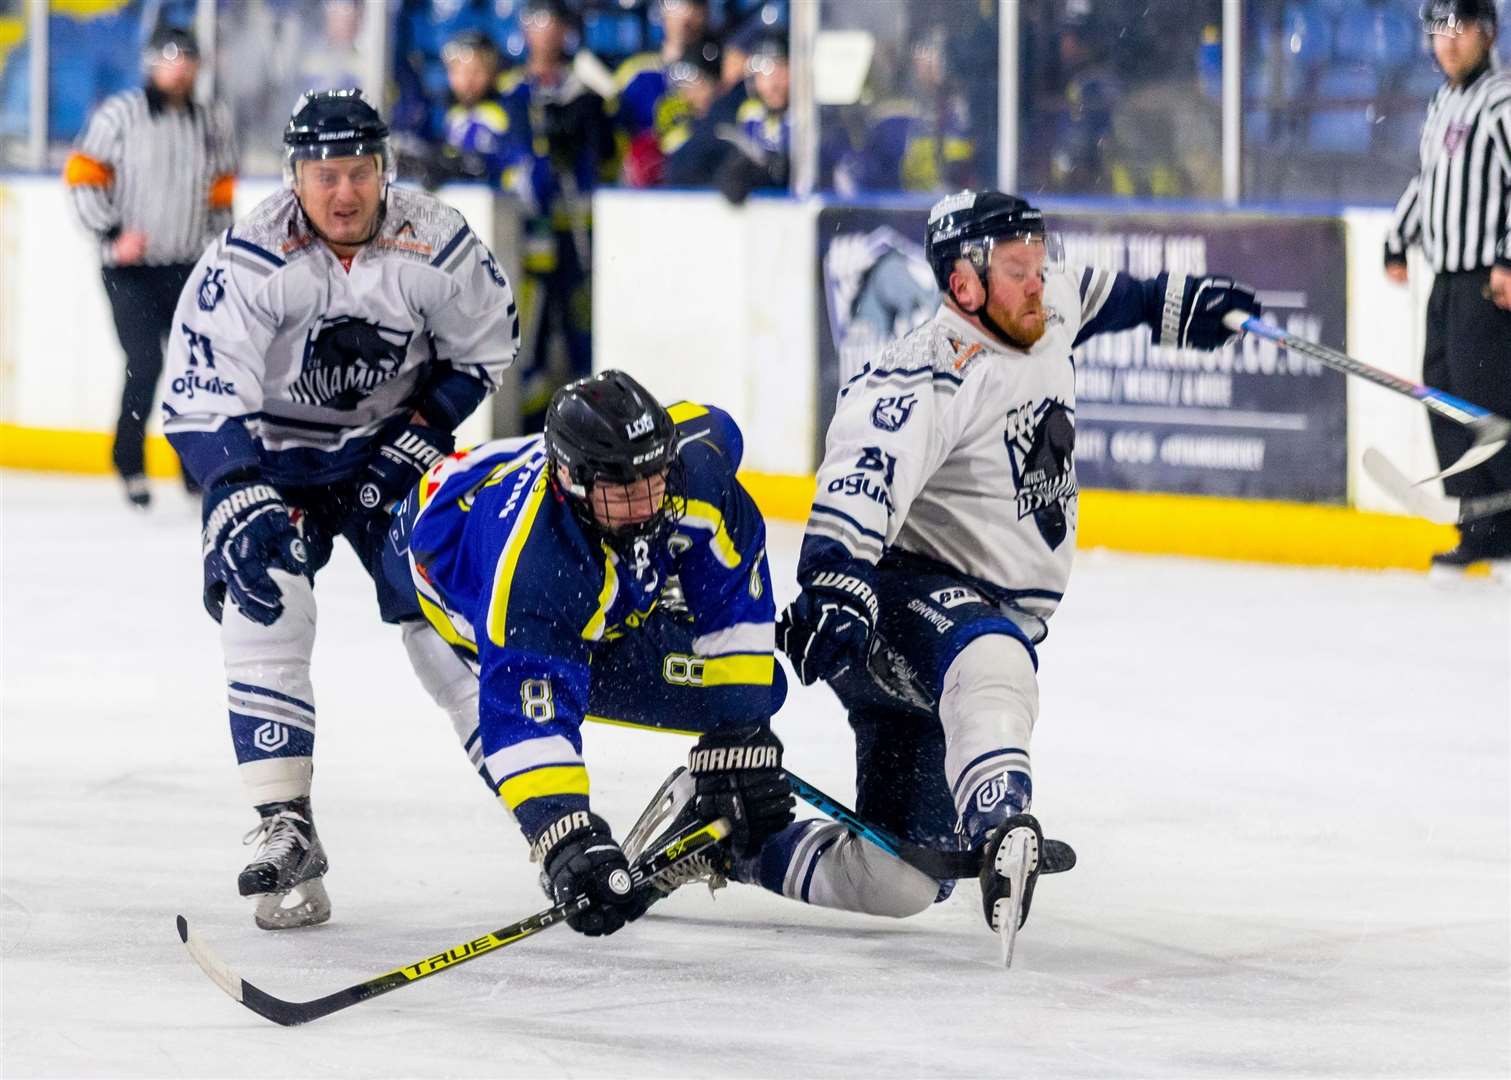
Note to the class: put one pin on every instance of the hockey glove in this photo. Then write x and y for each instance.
(247, 533)
(828, 628)
(739, 776)
(579, 855)
(399, 462)
(1194, 309)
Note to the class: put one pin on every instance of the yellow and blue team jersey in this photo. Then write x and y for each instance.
(765, 128)
(485, 130)
(540, 604)
(641, 82)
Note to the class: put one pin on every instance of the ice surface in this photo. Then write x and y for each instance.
(1288, 789)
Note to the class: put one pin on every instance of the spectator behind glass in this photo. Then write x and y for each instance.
(566, 141)
(694, 150)
(478, 142)
(642, 114)
(762, 136)
(920, 139)
(1083, 127)
(328, 58)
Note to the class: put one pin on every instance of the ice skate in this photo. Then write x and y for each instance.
(285, 874)
(668, 814)
(1009, 868)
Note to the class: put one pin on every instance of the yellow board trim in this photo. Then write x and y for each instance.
(738, 670)
(551, 780)
(503, 581)
(1196, 525)
(1203, 526)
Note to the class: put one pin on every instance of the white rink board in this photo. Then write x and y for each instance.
(1288, 788)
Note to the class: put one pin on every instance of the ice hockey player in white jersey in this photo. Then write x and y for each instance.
(325, 349)
(940, 542)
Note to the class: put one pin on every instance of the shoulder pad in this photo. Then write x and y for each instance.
(708, 426)
(420, 226)
(269, 236)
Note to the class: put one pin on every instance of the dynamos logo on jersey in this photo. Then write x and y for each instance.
(346, 359)
(1041, 444)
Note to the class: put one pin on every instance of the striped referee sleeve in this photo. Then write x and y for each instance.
(1406, 225)
(90, 171)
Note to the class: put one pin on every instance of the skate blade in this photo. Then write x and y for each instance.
(655, 816)
(1015, 858)
(306, 904)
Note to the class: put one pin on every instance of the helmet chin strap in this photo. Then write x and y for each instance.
(979, 312)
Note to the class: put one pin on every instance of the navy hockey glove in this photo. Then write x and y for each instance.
(739, 776)
(828, 628)
(399, 462)
(578, 855)
(248, 532)
(1194, 309)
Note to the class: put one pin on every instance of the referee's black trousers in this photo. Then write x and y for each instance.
(142, 299)
(1468, 354)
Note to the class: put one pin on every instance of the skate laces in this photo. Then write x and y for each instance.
(694, 868)
(279, 834)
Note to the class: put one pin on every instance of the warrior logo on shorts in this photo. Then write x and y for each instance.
(346, 359)
(1041, 443)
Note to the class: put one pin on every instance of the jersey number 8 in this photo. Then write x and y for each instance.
(535, 700)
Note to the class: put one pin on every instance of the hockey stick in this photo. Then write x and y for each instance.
(290, 1013)
(1056, 858)
(1489, 432)
(1443, 509)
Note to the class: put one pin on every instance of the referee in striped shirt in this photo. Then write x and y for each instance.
(1459, 209)
(152, 176)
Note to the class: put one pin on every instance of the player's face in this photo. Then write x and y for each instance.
(1016, 300)
(619, 506)
(341, 196)
(1459, 54)
(683, 20)
(471, 76)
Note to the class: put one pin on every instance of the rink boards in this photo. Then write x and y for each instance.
(738, 306)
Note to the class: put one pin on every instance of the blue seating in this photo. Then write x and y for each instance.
(1343, 113)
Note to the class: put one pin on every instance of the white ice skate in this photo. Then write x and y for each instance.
(1009, 868)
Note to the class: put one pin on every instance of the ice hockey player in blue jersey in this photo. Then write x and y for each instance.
(326, 348)
(940, 543)
(611, 568)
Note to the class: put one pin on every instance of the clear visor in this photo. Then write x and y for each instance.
(978, 252)
(293, 155)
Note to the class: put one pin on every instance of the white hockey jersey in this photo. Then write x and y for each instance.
(283, 359)
(957, 447)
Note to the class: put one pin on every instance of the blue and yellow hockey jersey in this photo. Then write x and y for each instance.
(507, 574)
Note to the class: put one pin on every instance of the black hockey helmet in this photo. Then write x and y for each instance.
(334, 124)
(1451, 16)
(964, 226)
(608, 429)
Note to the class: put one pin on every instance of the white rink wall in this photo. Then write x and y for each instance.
(697, 298)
